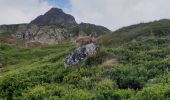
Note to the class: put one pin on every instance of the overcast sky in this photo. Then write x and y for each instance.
(112, 14)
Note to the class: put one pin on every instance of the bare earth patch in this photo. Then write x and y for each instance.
(110, 62)
(33, 45)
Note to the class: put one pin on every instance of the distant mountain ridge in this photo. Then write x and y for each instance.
(53, 27)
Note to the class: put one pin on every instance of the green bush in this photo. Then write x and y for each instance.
(97, 59)
(154, 92)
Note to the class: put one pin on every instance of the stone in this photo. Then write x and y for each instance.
(81, 54)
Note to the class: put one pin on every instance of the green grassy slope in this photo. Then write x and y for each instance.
(126, 34)
(139, 71)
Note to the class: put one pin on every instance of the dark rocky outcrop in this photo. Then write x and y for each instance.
(81, 54)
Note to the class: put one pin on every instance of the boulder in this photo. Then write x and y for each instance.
(81, 54)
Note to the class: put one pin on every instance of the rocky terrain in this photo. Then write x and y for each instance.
(53, 27)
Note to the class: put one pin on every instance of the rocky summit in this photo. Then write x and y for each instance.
(54, 16)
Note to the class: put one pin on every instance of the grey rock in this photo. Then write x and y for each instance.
(81, 54)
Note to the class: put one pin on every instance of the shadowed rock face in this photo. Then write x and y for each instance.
(54, 16)
(81, 54)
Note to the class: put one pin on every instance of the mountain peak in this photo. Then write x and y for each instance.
(55, 10)
(54, 16)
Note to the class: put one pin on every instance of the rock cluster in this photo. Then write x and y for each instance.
(81, 54)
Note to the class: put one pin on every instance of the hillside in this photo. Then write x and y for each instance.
(126, 34)
(133, 64)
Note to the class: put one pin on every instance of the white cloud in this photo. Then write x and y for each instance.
(117, 13)
(21, 11)
(110, 13)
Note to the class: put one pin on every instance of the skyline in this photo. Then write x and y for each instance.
(112, 14)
